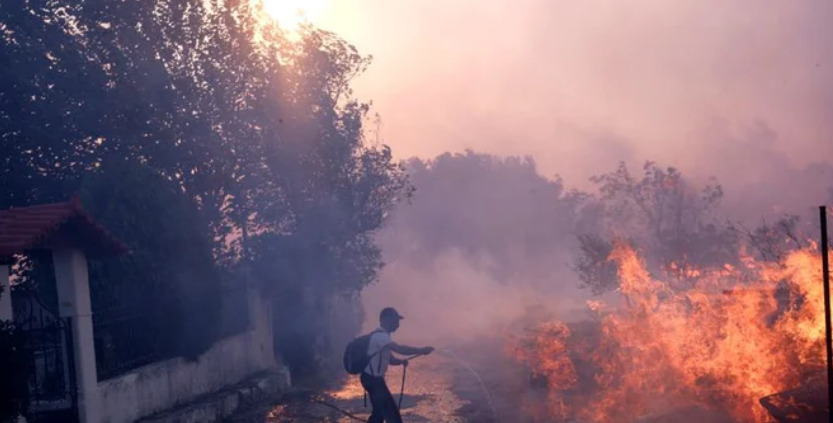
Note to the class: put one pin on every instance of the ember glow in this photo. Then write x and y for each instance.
(736, 336)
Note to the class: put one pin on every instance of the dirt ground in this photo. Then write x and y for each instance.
(446, 387)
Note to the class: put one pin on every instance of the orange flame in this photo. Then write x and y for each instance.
(737, 335)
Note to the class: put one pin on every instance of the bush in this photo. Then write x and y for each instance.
(168, 282)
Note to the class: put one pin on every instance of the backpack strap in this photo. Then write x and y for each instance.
(370, 336)
(379, 366)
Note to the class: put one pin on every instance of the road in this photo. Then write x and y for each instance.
(440, 388)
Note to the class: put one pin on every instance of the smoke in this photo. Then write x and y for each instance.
(448, 299)
(733, 90)
(485, 240)
(581, 86)
(760, 181)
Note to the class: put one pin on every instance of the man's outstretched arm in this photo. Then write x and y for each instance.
(408, 350)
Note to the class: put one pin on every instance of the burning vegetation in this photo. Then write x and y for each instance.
(714, 351)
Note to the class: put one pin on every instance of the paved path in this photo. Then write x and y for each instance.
(439, 389)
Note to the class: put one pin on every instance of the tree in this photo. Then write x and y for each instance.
(672, 223)
(168, 281)
(326, 193)
(261, 134)
(179, 86)
(772, 241)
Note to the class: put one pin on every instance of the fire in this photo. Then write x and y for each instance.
(546, 352)
(735, 336)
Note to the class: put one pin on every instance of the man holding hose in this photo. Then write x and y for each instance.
(379, 350)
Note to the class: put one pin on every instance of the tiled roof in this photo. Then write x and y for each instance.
(27, 228)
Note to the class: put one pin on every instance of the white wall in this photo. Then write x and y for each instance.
(163, 385)
(5, 294)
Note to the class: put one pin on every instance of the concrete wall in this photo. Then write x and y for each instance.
(5, 294)
(164, 385)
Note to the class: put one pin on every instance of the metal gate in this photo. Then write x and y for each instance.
(47, 338)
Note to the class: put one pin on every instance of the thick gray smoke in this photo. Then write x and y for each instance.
(487, 239)
(484, 239)
(734, 90)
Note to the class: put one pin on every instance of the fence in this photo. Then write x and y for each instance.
(150, 330)
(171, 383)
(47, 342)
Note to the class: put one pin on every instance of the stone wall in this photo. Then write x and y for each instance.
(167, 384)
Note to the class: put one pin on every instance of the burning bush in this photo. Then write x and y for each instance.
(739, 334)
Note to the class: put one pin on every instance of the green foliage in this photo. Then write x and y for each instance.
(159, 82)
(260, 134)
(325, 194)
(169, 268)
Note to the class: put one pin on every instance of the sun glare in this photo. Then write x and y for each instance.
(290, 14)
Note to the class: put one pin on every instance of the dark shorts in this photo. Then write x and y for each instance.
(384, 406)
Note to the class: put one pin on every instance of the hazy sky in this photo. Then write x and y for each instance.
(581, 85)
(737, 89)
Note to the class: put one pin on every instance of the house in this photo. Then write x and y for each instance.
(65, 385)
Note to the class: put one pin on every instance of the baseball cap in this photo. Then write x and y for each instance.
(389, 312)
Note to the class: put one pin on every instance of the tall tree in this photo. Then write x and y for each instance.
(262, 134)
(326, 192)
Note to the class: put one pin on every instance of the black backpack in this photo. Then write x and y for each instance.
(355, 355)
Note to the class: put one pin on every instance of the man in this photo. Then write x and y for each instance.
(379, 350)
